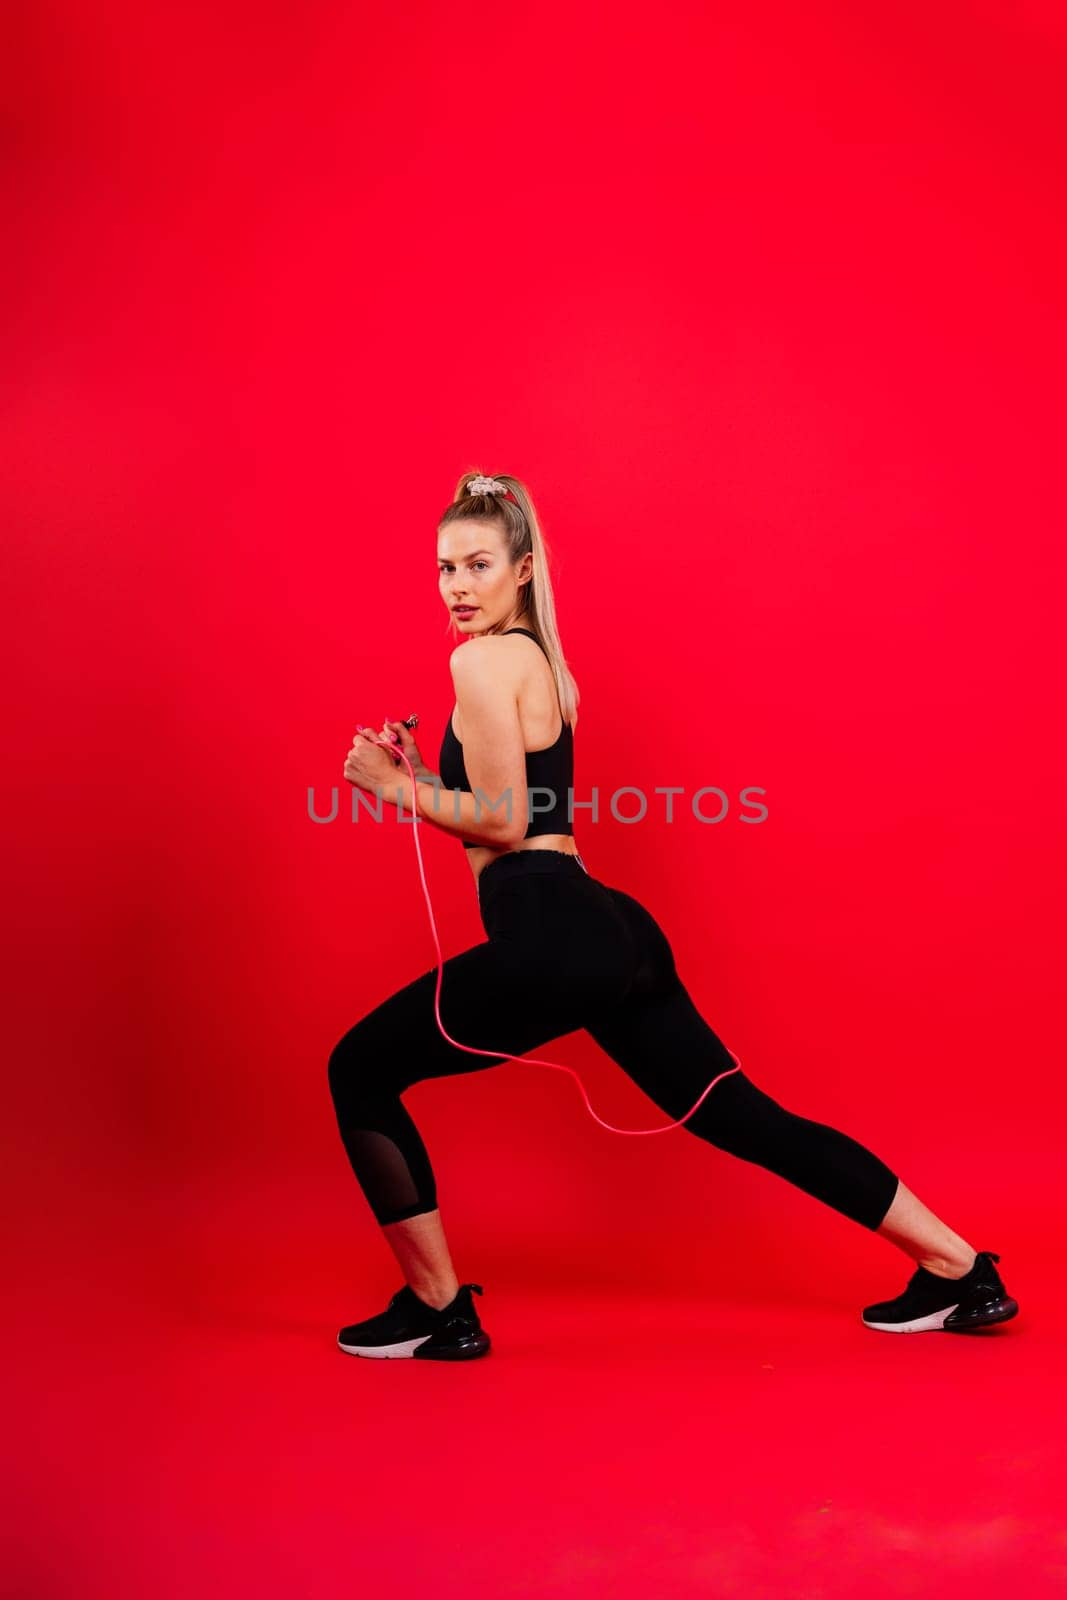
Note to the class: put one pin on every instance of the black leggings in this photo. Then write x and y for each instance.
(565, 952)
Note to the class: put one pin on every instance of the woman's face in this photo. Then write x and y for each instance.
(476, 576)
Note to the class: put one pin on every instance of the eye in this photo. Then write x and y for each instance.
(481, 563)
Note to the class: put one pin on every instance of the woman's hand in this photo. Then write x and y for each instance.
(404, 740)
(368, 765)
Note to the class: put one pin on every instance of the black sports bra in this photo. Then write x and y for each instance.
(550, 771)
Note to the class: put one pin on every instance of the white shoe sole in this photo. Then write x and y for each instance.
(406, 1347)
(929, 1324)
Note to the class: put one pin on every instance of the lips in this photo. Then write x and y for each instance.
(462, 610)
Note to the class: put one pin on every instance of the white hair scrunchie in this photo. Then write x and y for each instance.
(486, 486)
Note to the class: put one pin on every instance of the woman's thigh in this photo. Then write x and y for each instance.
(505, 996)
(655, 1032)
(664, 1044)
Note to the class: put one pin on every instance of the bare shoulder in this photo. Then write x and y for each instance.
(490, 655)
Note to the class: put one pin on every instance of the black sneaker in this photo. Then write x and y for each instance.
(952, 1305)
(409, 1327)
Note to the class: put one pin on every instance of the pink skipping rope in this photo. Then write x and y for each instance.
(395, 749)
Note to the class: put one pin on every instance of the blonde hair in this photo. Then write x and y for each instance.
(522, 533)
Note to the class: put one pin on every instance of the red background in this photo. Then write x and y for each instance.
(765, 305)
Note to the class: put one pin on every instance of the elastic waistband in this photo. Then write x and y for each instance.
(517, 863)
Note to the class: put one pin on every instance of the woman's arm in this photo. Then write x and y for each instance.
(486, 674)
(466, 815)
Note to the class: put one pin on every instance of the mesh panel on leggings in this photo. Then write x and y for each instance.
(389, 1160)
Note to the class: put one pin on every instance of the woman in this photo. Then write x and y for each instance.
(564, 951)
